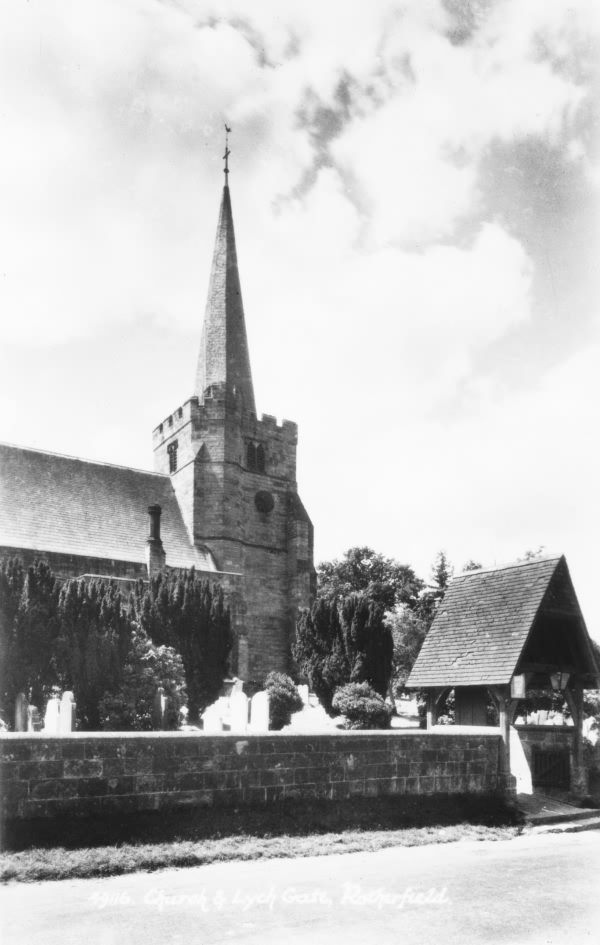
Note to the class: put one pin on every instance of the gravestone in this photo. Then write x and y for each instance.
(211, 719)
(52, 717)
(21, 712)
(34, 719)
(259, 712)
(238, 686)
(303, 690)
(223, 706)
(67, 713)
(239, 711)
(159, 709)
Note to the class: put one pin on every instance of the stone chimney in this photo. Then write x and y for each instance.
(155, 553)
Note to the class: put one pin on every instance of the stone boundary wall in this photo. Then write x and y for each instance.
(94, 774)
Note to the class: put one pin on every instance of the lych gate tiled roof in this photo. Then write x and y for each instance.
(71, 506)
(482, 625)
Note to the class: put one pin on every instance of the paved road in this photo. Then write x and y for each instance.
(541, 890)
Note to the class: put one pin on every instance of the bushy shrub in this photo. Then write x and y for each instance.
(362, 707)
(148, 668)
(284, 699)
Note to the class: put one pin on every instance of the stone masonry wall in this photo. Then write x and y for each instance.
(90, 774)
(545, 737)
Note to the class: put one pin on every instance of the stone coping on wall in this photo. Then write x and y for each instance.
(449, 730)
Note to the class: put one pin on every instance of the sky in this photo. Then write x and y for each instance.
(415, 189)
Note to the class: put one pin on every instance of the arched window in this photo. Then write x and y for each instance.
(260, 457)
(251, 461)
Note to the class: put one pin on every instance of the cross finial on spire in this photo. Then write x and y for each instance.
(226, 155)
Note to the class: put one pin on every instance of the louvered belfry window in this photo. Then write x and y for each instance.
(172, 451)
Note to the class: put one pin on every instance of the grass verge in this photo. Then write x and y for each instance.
(57, 863)
(71, 848)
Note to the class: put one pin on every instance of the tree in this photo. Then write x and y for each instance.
(472, 565)
(382, 579)
(147, 669)
(11, 588)
(339, 642)
(81, 636)
(410, 626)
(28, 632)
(532, 555)
(179, 609)
(408, 633)
(94, 640)
(441, 575)
(319, 650)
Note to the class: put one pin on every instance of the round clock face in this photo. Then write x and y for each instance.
(264, 501)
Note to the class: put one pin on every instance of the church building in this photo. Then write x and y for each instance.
(223, 497)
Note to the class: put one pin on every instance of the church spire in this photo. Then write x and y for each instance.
(224, 356)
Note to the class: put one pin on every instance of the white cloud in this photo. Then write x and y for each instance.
(377, 265)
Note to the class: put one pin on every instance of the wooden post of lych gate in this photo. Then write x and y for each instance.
(506, 707)
(574, 697)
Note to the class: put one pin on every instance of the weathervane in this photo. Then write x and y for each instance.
(227, 153)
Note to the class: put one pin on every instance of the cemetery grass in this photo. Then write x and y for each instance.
(172, 841)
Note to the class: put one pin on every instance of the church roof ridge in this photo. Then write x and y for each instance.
(82, 459)
(508, 565)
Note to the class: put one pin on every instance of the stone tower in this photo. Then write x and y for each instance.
(234, 476)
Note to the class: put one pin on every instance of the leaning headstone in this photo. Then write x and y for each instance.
(21, 712)
(34, 719)
(259, 712)
(303, 690)
(67, 713)
(239, 711)
(52, 717)
(211, 720)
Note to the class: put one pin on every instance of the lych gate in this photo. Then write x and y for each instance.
(500, 633)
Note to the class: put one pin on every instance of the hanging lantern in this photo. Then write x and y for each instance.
(559, 680)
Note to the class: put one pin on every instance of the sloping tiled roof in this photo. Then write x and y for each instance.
(72, 506)
(482, 625)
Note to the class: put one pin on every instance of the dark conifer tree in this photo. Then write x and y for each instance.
(339, 643)
(28, 632)
(95, 638)
(181, 610)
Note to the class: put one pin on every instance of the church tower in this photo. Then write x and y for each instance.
(234, 476)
